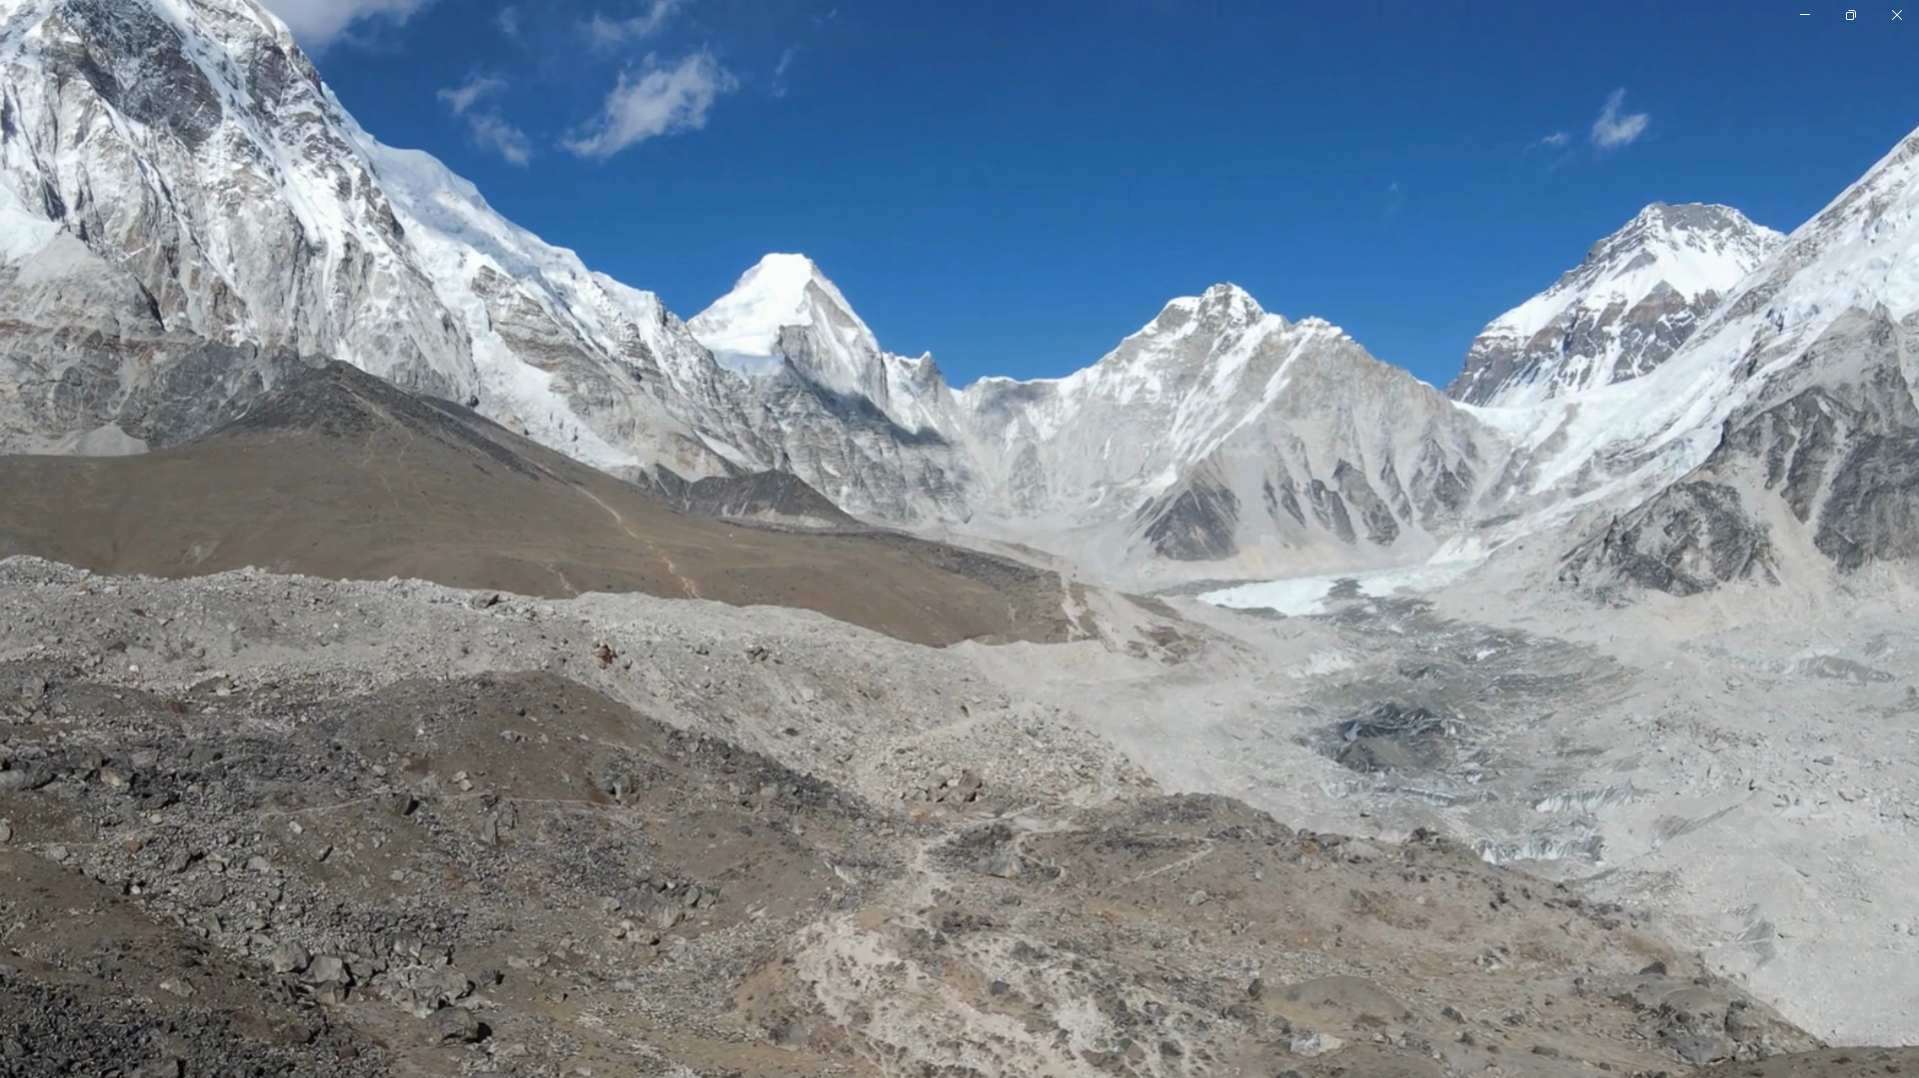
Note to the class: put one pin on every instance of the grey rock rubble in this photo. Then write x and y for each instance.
(755, 843)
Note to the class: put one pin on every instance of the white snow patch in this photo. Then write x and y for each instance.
(780, 290)
(22, 232)
(747, 364)
(1304, 595)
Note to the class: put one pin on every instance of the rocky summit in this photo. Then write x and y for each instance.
(1620, 313)
(422, 654)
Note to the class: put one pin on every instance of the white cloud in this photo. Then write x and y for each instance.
(318, 22)
(660, 102)
(489, 128)
(780, 69)
(508, 20)
(636, 28)
(462, 98)
(1556, 139)
(1613, 128)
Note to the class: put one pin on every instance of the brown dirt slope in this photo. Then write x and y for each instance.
(341, 475)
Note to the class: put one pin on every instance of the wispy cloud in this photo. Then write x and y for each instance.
(487, 126)
(780, 69)
(495, 133)
(661, 101)
(508, 21)
(1395, 199)
(1615, 127)
(317, 23)
(1555, 140)
(647, 24)
(463, 97)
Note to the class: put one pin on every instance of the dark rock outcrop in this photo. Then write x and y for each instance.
(1834, 435)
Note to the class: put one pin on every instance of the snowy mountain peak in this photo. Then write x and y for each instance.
(784, 281)
(1663, 231)
(119, 117)
(1858, 252)
(1634, 299)
(1785, 424)
(1231, 304)
(187, 153)
(1220, 308)
(782, 291)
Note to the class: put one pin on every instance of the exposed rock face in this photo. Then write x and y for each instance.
(773, 496)
(215, 188)
(1833, 436)
(100, 396)
(182, 191)
(1831, 441)
(173, 175)
(1693, 537)
(783, 312)
(1346, 459)
(1811, 364)
(1198, 520)
(1624, 310)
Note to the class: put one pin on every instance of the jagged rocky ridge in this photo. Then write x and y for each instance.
(175, 174)
(1823, 456)
(1218, 433)
(774, 496)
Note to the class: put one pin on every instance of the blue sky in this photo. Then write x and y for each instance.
(1015, 186)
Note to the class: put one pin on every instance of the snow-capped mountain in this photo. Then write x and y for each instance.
(186, 210)
(1346, 460)
(1791, 413)
(189, 208)
(107, 104)
(1621, 312)
(1222, 435)
(784, 313)
(178, 168)
(174, 176)
(1217, 436)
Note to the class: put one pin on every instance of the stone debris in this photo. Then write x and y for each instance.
(533, 872)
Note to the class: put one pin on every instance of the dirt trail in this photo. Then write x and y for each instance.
(692, 589)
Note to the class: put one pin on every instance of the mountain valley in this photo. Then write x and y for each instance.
(422, 654)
